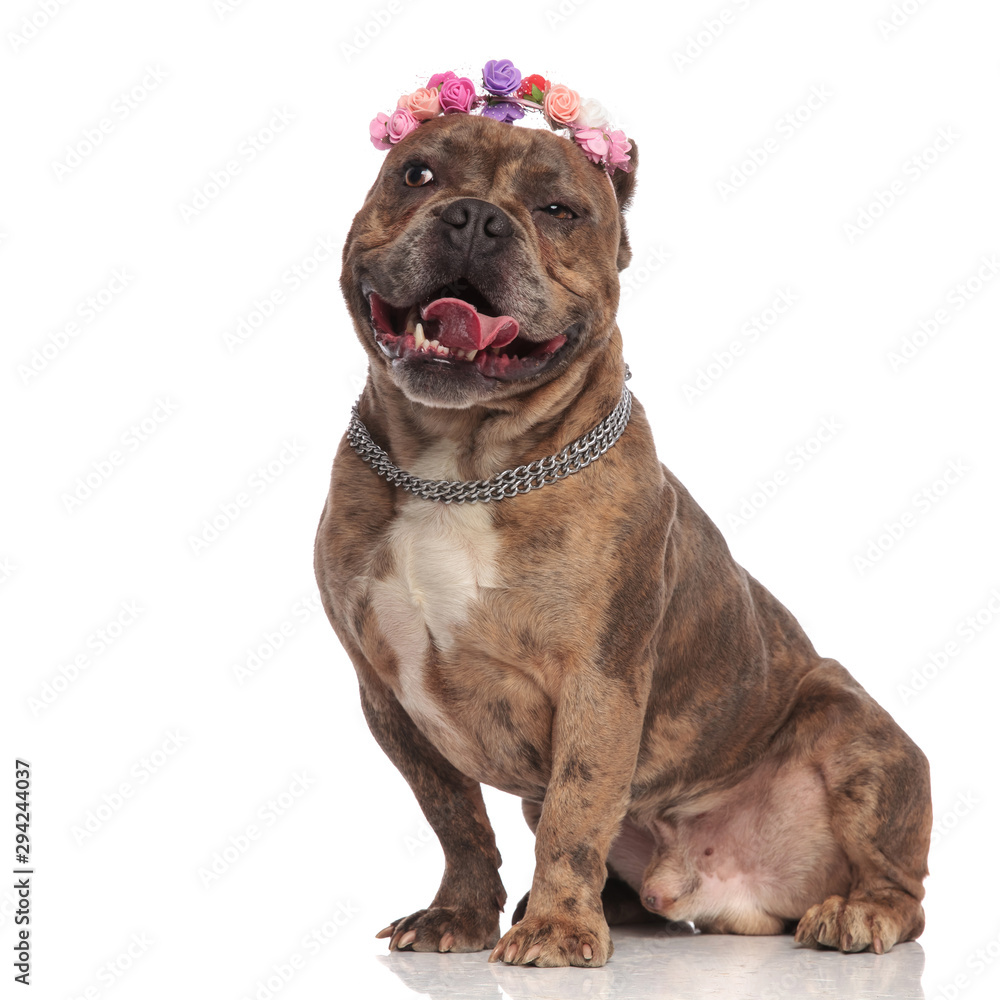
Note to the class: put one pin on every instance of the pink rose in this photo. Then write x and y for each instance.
(422, 103)
(562, 105)
(379, 131)
(401, 124)
(457, 95)
(438, 78)
(593, 142)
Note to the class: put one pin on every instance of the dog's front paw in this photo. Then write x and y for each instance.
(860, 925)
(549, 943)
(443, 929)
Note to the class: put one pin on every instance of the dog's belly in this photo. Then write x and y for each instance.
(740, 861)
(439, 607)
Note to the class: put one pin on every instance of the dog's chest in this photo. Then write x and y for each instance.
(443, 557)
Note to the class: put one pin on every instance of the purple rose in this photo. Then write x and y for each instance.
(457, 94)
(503, 111)
(500, 77)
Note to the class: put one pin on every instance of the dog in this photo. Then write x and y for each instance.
(580, 637)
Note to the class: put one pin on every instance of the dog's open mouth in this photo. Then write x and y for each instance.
(456, 324)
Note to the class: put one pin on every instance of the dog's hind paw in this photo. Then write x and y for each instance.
(861, 924)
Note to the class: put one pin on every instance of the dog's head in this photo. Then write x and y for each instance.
(485, 260)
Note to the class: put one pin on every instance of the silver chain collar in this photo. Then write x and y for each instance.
(509, 483)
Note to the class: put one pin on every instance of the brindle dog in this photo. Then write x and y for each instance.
(590, 646)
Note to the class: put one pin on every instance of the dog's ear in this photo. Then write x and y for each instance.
(624, 185)
(624, 181)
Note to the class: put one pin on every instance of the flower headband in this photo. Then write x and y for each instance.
(507, 97)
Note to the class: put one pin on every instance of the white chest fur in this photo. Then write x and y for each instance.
(445, 556)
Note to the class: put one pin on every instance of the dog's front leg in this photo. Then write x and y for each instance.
(465, 913)
(595, 742)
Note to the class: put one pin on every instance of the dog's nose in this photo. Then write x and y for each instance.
(475, 227)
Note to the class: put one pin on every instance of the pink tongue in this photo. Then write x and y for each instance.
(462, 327)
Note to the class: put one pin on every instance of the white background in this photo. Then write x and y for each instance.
(353, 842)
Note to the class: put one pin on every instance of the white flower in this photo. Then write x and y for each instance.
(592, 114)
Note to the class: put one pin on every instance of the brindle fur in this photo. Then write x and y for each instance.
(612, 666)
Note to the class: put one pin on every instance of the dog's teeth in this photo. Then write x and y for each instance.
(418, 334)
(412, 318)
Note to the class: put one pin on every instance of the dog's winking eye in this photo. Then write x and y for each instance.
(417, 175)
(559, 211)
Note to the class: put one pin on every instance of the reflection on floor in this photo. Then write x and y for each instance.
(649, 963)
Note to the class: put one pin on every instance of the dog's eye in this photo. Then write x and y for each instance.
(417, 175)
(559, 211)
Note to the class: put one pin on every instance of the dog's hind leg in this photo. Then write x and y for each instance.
(878, 784)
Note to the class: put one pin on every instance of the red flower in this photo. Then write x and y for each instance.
(524, 91)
